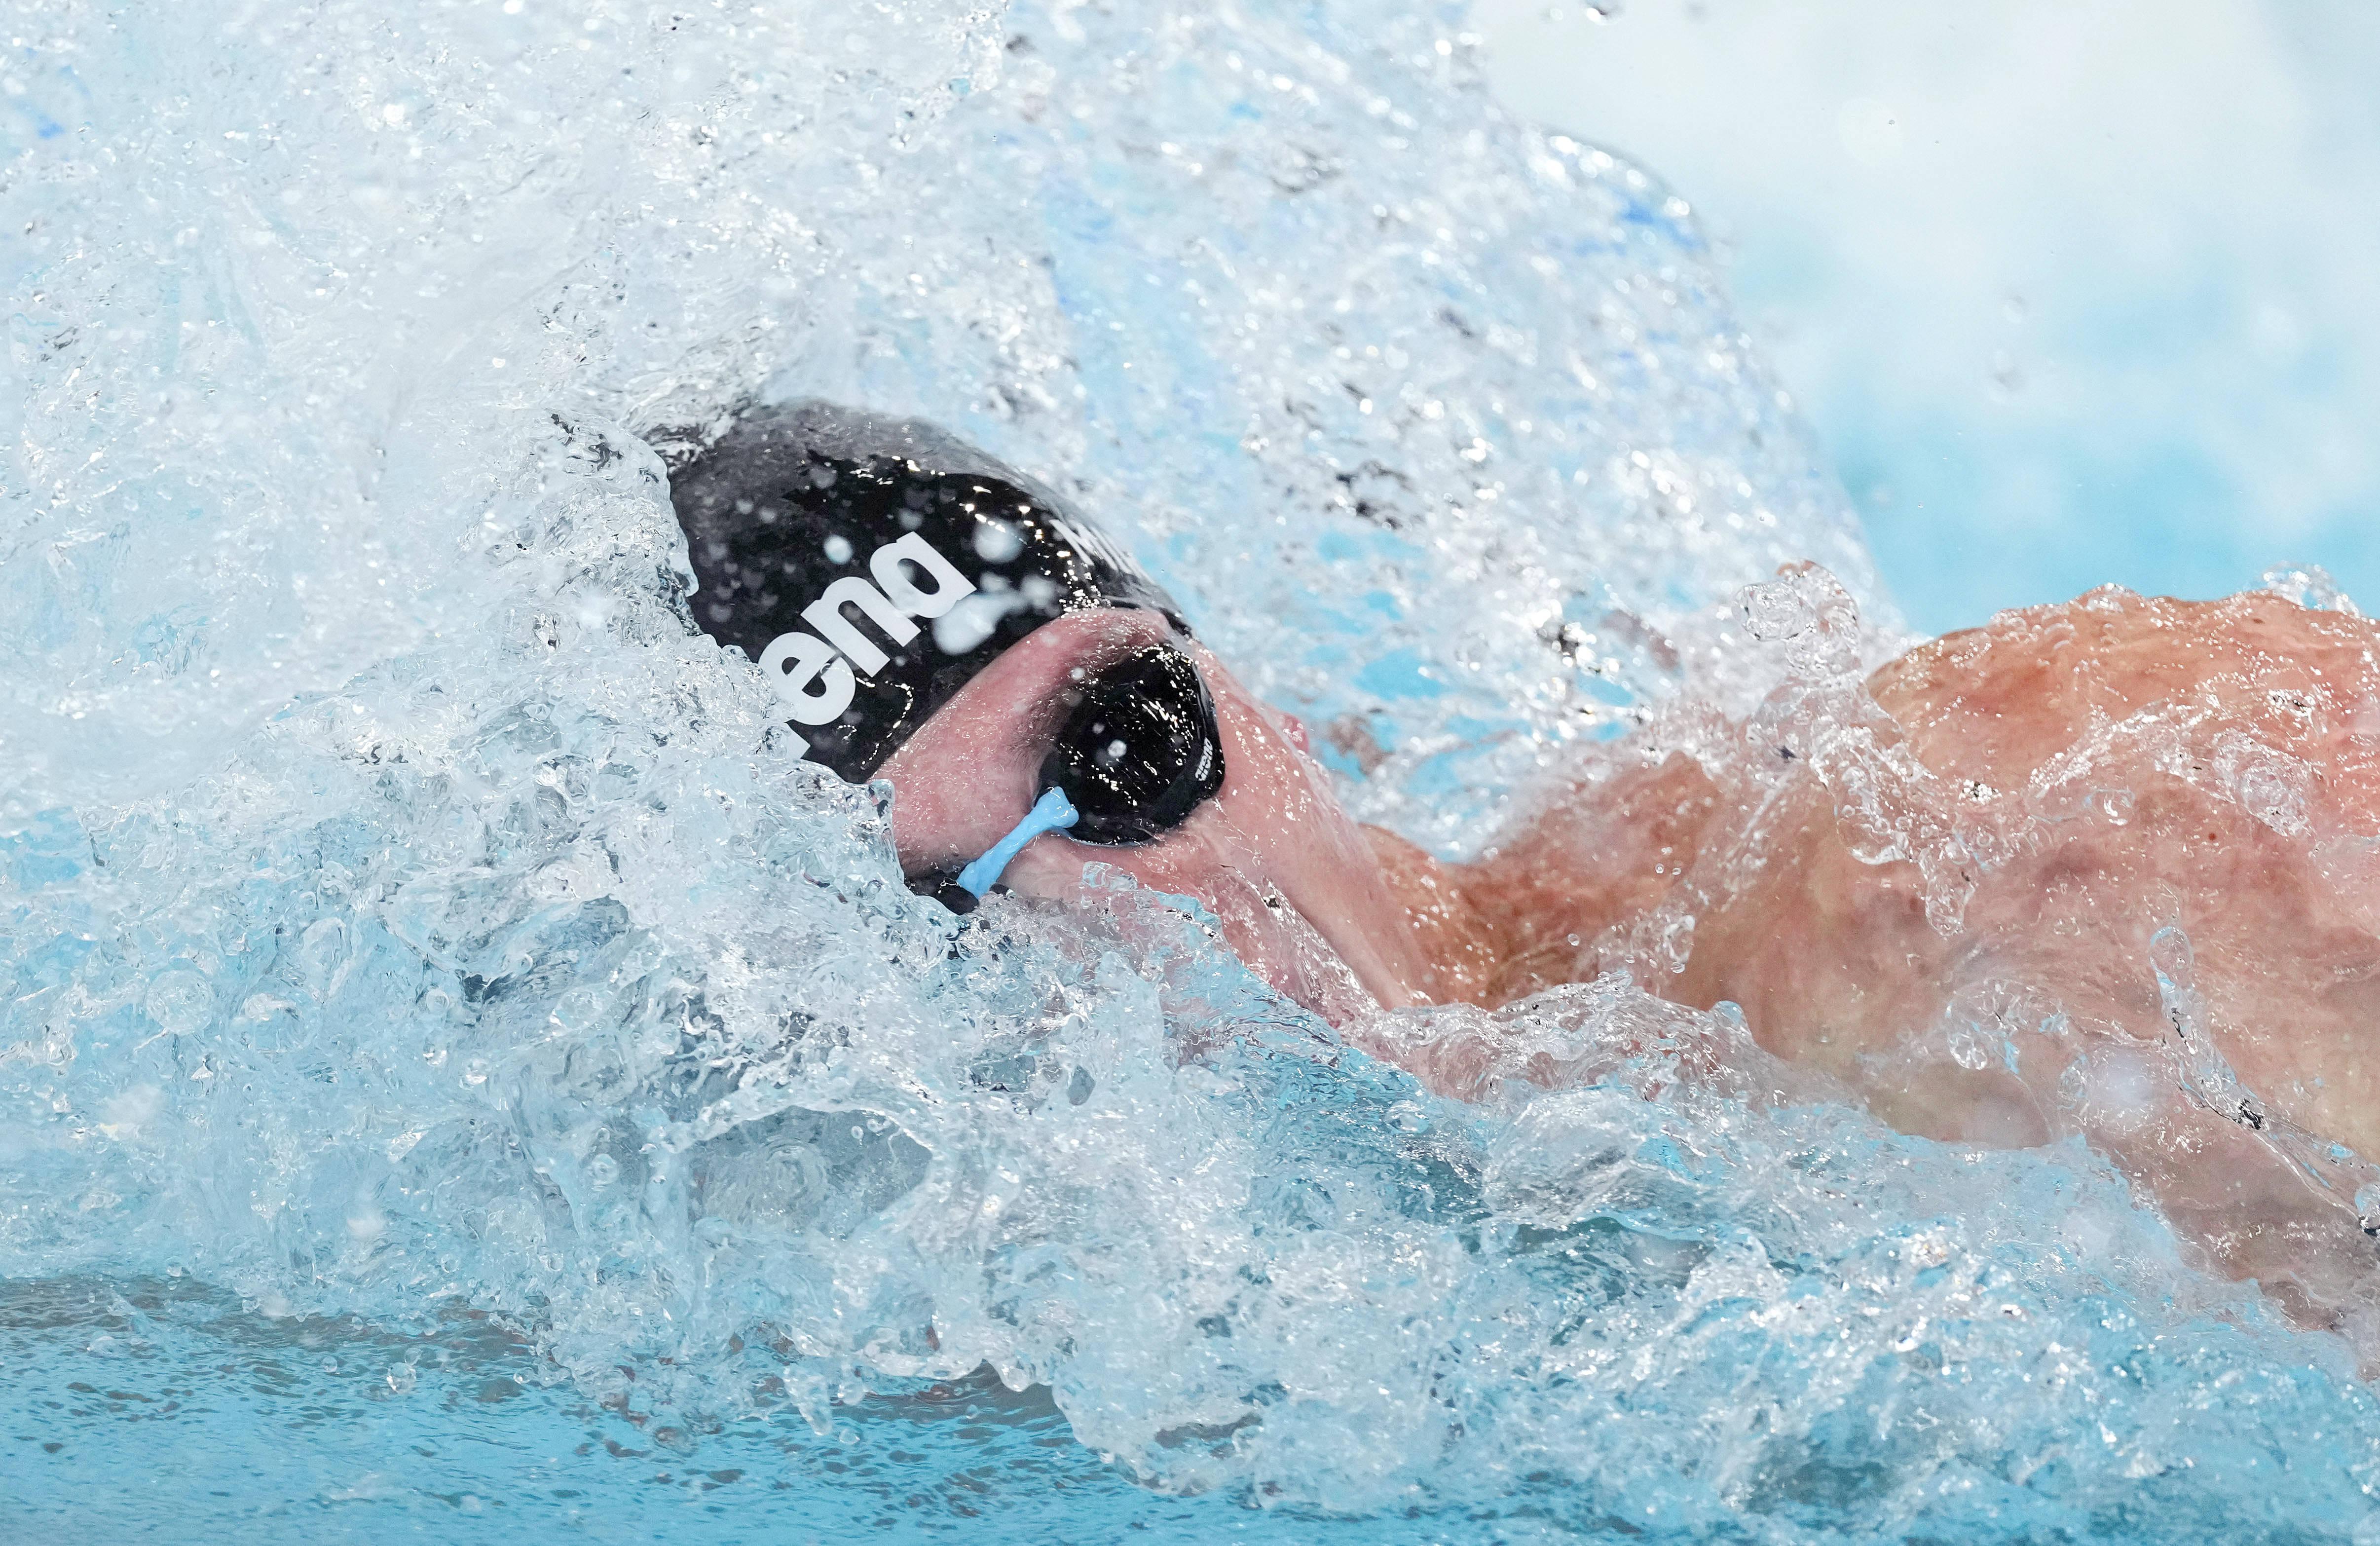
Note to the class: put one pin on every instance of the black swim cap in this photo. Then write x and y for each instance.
(874, 565)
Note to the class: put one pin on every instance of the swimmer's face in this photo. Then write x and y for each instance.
(1301, 894)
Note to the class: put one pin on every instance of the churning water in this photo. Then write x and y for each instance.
(460, 1076)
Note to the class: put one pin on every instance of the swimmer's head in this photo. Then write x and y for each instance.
(873, 567)
(931, 618)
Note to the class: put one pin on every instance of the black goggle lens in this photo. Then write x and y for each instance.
(1140, 749)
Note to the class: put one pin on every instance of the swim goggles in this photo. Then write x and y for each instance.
(1138, 753)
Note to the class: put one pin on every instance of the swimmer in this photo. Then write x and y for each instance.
(932, 619)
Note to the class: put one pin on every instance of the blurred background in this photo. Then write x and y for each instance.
(2073, 290)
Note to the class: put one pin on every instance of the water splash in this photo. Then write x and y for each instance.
(418, 941)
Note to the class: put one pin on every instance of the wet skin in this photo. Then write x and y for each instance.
(2246, 732)
(1300, 889)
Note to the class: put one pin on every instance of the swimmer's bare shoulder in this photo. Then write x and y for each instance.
(1999, 701)
(2207, 767)
(2246, 732)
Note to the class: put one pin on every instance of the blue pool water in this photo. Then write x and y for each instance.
(460, 1078)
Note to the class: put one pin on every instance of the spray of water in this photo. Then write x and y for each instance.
(411, 925)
